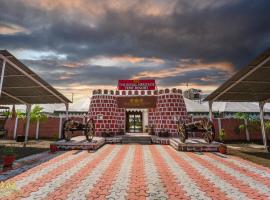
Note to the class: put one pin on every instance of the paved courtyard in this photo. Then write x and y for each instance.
(141, 172)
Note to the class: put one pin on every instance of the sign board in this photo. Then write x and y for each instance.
(136, 84)
(136, 101)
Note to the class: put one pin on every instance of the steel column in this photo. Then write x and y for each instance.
(210, 110)
(2, 75)
(261, 105)
(28, 111)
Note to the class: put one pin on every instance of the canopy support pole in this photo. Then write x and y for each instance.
(210, 110)
(261, 105)
(66, 104)
(28, 111)
(2, 75)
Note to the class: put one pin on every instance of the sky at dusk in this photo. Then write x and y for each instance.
(78, 46)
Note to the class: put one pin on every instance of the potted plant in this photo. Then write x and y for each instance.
(53, 148)
(222, 149)
(8, 158)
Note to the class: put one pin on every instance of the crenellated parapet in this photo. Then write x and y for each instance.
(135, 92)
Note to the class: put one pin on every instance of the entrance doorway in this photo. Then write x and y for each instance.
(134, 122)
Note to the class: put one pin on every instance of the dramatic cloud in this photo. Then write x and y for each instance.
(80, 45)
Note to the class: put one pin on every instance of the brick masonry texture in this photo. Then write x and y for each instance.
(139, 172)
(169, 109)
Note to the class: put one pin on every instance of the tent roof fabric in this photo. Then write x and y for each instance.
(23, 86)
(193, 106)
(81, 105)
(251, 84)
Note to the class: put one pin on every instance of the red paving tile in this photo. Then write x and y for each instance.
(137, 186)
(254, 176)
(101, 189)
(209, 188)
(35, 184)
(75, 180)
(241, 186)
(174, 190)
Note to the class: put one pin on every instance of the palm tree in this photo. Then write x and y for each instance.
(36, 115)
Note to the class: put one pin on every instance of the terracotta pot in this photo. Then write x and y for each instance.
(53, 148)
(8, 161)
(223, 149)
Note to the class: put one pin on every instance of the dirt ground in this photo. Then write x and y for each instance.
(33, 147)
(252, 152)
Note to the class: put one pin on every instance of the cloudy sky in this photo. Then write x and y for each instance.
(80, 45)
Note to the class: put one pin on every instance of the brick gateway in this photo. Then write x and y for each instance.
(119, 112)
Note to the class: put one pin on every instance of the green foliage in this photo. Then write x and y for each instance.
(252, 122)
(8, 151)
(20, 114)
(7, 113)
(267, 126)
(243, 116)
(37, 114)
(242, 127)
(252, 125)
(222, 135)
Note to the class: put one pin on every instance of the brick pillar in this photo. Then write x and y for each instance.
(170, 108)
(103, 109)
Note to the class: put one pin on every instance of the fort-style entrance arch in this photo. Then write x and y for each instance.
(135, 111)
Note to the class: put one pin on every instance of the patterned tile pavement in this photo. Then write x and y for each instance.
(137, 172)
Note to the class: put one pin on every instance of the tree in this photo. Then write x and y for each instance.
(37, 114)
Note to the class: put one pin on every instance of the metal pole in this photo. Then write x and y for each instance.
(247, 132)
(66, 104)
(15, 128)
(28, 111)
(37, 130)
(261, 105)
(210, 110)
(2, 76)
(219, 125)
(60, 127)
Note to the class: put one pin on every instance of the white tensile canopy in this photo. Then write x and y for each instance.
(20, 85)
(251, 84)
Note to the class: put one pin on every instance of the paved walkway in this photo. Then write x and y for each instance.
(140, 172)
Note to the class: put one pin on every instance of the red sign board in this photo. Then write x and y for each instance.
(136, 84)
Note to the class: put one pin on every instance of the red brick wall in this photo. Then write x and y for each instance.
(230, 125)
(113, 117)
(48, 128)
(170, 108)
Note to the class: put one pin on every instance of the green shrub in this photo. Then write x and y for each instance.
(8, 151)
(222, 135)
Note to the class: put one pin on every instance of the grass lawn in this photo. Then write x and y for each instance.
(252, 152)
(33, 147)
